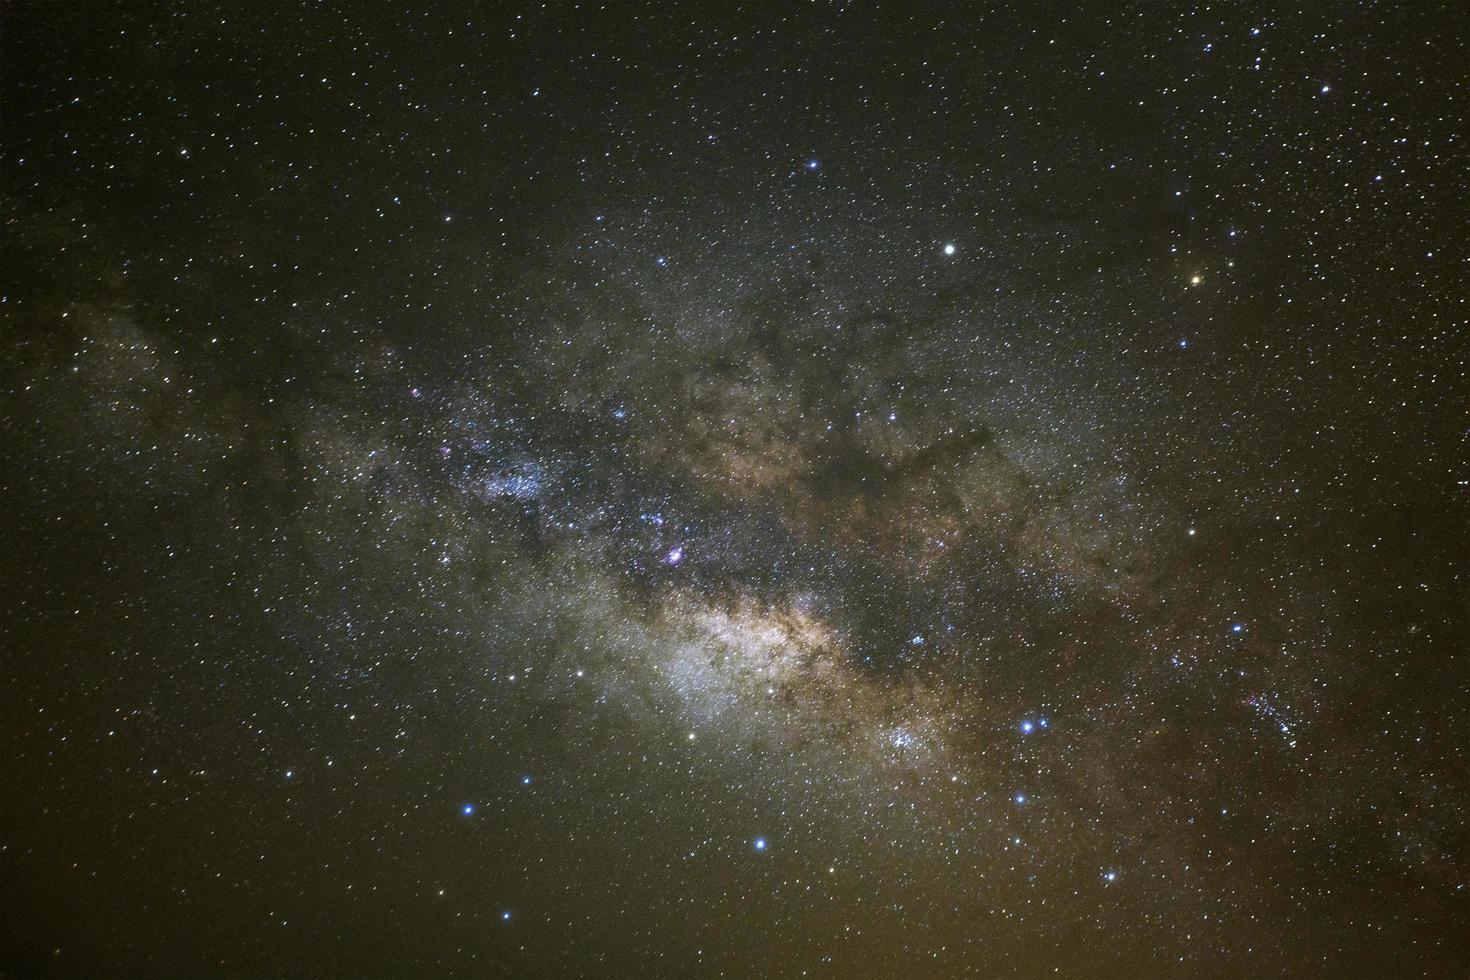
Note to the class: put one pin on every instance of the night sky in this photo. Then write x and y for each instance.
(698, 489)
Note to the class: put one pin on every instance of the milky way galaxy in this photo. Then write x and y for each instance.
(702, 490)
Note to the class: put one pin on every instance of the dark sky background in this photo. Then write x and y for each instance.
(698, 489)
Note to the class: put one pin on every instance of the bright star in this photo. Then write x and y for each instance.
(949, 250)
(759, 843)
(468, 809)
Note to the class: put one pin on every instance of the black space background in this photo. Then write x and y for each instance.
(206, 589)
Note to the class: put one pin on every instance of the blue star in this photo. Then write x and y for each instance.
(1020, 799)
(505, 916)
(468, 809)
(1027, 727)
(813, 164)
(526, 780)
(759, 843)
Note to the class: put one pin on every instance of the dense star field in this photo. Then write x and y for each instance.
(698, 489)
